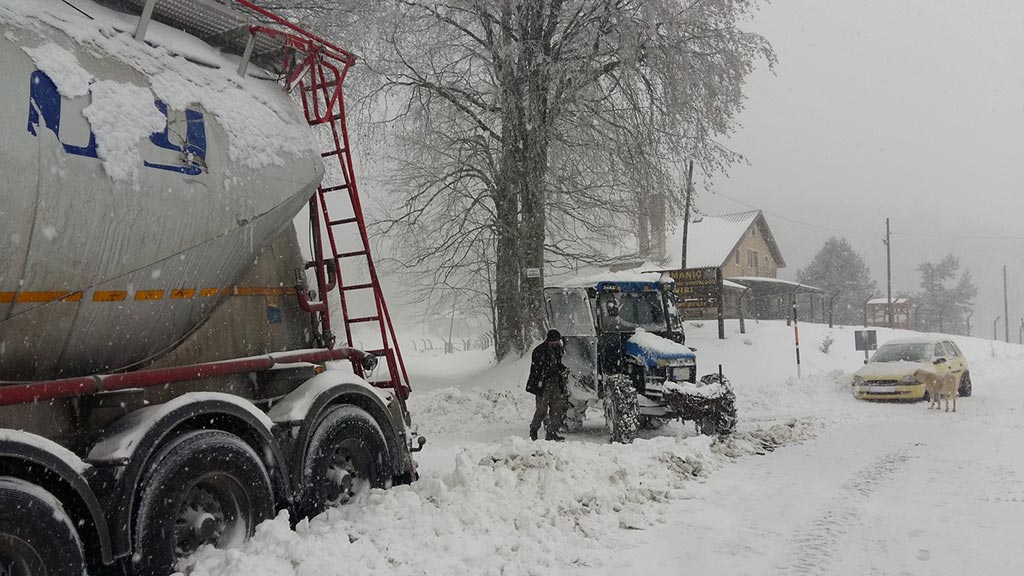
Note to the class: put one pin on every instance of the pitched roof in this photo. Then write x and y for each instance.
(711, 239)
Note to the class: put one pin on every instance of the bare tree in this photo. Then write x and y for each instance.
(544, 133)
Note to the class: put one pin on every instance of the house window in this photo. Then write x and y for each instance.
(752, 260)
(737, 253)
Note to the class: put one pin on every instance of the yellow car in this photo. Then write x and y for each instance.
(889, 374)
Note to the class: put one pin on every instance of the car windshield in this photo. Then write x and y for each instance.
(634, 310)
(902, 352)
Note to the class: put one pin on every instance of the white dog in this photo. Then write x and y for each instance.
(938, 385)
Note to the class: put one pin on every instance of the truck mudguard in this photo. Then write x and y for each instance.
(37, 460)
(122, 455)
(307, 404)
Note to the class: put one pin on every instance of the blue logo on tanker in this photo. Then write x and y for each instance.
(45, 101)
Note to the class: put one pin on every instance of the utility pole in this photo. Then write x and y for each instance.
(686, 209)
(888, 272)
(1006, 309)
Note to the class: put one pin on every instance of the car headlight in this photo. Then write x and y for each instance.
(909, 379)
(858, 381)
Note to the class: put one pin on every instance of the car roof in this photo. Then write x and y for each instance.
(918, 340)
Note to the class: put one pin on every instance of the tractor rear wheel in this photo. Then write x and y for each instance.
(621, 410)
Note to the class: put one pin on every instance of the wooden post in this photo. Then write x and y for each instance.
(743, 325)
(686, 209)
(721, 305)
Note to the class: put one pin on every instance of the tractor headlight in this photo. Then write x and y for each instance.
(680, 373)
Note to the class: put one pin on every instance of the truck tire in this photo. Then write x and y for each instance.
(202, 487)
(621, 410)
(36, 535)
(347, 453)
(721, 420)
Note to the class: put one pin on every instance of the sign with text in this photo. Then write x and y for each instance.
(697, 288)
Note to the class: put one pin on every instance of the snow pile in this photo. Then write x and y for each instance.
(63, 68)
(689, 389)
(454, 411)
(120, 115)
(661, 346)
(517, 508)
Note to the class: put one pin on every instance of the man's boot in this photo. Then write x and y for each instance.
(554, 437)
(533, 434)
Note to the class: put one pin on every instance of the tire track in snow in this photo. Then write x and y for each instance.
(813, 548)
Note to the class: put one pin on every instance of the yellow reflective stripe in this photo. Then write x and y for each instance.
(45, 296)
(109, 295)
(145, 295)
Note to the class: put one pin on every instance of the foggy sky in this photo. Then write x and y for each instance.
(907, 109)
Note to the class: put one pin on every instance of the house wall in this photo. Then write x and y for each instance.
(753, 240)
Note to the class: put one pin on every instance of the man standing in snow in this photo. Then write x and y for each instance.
(548, 382)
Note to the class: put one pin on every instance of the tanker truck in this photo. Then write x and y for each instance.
(174, 366)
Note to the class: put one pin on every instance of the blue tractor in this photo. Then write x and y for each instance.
(625, 346)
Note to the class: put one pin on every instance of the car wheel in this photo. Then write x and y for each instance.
(203, 487)
(346, 455)
(965, 385)
(37, 538)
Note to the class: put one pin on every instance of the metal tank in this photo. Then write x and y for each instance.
(99, 272)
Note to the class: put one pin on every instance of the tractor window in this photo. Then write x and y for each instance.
(634, 310)
(569, 312)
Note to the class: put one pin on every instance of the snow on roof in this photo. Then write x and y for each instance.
(779, 281)
(634, 275)
(884, 301)
(923, 339)
(710, 239)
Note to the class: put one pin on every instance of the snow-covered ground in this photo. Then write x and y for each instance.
(850, 488)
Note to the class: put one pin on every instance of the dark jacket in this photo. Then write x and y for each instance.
(542, 369)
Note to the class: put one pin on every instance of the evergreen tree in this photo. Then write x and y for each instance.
(838, 268)
(946, 297)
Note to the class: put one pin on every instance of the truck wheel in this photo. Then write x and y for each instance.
(346, 455)
(721, 419)
(36, 536)
(621, 410)
(203, 487)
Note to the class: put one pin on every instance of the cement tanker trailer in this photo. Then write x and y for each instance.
(168, 370)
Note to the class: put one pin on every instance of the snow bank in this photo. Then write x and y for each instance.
(517, 508)
(456, 411)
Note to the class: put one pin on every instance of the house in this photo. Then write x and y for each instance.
(743, 247)
(876, 313)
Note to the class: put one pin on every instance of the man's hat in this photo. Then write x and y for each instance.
(554, 335)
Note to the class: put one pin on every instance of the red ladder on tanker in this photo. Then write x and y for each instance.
(347, 268)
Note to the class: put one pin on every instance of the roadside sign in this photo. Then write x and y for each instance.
(533, 272)
(698, 289)
(865, 340)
